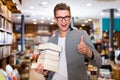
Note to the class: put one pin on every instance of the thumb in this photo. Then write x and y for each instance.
(81, 39)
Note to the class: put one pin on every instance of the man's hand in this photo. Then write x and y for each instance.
(40, 69)
(83, 49)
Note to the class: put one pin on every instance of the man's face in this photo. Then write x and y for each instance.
(63, 18)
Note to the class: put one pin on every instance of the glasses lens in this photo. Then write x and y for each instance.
(67, 18)
(61, 18)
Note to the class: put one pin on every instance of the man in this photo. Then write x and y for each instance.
(76, 47)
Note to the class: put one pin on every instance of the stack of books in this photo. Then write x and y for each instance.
(49, 56)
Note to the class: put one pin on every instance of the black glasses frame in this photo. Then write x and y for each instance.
(66, 18)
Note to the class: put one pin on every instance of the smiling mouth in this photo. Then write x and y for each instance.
(64, 26)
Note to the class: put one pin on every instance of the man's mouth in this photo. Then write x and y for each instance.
(64, 26)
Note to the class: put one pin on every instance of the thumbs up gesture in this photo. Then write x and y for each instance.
(83, 49)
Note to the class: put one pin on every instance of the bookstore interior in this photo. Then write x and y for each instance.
(24, 45)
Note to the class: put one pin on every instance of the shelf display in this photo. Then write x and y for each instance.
(5, 31)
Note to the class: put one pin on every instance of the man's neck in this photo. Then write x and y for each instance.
(62, 34)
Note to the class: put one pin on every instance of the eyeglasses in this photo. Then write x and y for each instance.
(66, 18)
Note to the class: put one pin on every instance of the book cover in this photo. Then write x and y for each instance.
(51, 68)
(51, 52)
(1, 76)
(50, 46)
(104, 74)
(16, 74)
(46, 66)
(5, 75)
(48, 62)
(48, 56)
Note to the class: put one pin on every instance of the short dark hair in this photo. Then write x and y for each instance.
(61, 6)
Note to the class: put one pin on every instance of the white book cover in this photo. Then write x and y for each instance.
(4, 74)
(46, 66)
(48, 56)
(9, 69)
(48, 62)
(51, 68)
(1, 76)
(16, 73)
(50, 52)
(50, 46)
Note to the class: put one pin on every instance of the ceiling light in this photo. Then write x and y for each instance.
(34, 22)
(42, 18)
(32, 7)
(86, 21)
(89, 4)
(117, 14)
(83, 25)
(102, 14)
(53, 20)
(89, 19)
(42, 21)
(18, 17)
(51, 23)
(33, 14)
(44, 3)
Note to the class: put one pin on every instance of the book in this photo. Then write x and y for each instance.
(48, 62)
(51, 52)
(50, 46)
(51, 68)
(104, 73)
(46, 66)
(9, 69)
(4, 74)
(1, 76)
(48, 56)
(16, 74)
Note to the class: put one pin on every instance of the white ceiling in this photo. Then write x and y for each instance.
(79, 9)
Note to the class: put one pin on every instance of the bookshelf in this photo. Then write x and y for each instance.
(5, 31)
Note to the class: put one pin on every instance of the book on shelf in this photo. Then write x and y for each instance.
(104, 74)
(50, 46)
(16, 74)
(9, 68)
(1, 76)
(48, 56)
(4, 74)
(1, 53)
